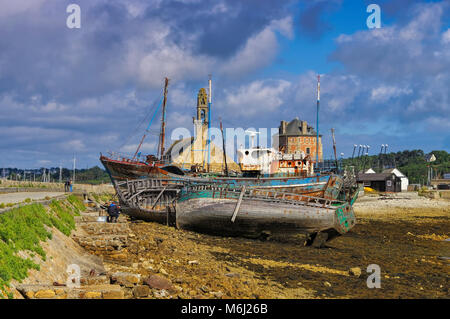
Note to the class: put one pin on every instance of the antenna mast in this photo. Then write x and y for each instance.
(74, 160)
(317, 124)
(209, 121)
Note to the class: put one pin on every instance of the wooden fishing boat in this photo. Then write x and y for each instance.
(327, 186)
(235, 211)
(249, 213)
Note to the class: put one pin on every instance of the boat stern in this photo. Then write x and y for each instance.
(344, 218)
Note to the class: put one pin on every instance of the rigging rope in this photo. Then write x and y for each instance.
(138, 127)
(148, 127)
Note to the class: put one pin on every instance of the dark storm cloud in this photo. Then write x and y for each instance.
(222, 26)
(311, 21)
(84, 90)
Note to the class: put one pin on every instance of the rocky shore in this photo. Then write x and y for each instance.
(134, 259)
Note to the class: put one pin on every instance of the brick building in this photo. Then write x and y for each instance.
(298, 136)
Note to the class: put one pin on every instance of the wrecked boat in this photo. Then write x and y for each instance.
(207, 207)
(249, 213)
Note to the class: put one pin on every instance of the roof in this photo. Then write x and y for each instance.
(182, 143)
(371, 177)
(430, 157)
(294, 127)
(394, 171)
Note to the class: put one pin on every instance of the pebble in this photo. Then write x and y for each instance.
(204, 289)
(217, 294)
(327, 284)
(162, 271)
(355, 271)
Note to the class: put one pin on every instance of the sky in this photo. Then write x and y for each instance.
(68, 92)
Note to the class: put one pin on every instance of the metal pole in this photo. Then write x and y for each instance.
(317, 120)
(209, 122)
(354, 149)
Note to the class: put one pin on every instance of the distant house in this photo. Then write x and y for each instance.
(382, 182)
(369, 171)
(400, 175)
(297, 136)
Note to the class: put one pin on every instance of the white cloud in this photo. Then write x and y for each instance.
(13, 7)
(258, 97)
(258, 52)
(285, 26)
(384, 93)
(446, 37)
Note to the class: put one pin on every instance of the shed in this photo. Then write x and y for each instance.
(399, 174)
(382, 182)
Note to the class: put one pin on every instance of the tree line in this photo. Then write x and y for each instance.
(411, 163)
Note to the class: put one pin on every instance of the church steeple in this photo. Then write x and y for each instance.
(202, 106)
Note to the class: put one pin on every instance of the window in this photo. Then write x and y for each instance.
(308, 150)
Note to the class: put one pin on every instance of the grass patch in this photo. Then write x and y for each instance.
(102, 198)
(23, 229)
(77, 203)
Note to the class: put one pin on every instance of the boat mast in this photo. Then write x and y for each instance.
(146, 130)
(223, 147)
(163, 121)
(334, 149)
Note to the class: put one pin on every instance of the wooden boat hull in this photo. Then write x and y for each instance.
(200, 211)
(121, 170)
(319, 186)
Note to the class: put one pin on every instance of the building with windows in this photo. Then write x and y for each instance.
(297, 136)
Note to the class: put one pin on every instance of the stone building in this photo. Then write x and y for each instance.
(297, 136)
(193, 151)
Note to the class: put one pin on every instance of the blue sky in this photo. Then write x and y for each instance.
(84, 91)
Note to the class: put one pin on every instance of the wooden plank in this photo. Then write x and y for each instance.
(238, 204)
(159, 195)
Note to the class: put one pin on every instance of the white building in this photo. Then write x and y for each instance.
(399, 174)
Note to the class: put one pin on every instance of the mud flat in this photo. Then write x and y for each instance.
(134, 259)
(405, 240)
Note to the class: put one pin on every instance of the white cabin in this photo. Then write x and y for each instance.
(257, 160)
(404, 179)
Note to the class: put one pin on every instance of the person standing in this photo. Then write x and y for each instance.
(113, 213)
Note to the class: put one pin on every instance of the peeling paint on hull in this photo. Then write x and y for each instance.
(201, 212)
